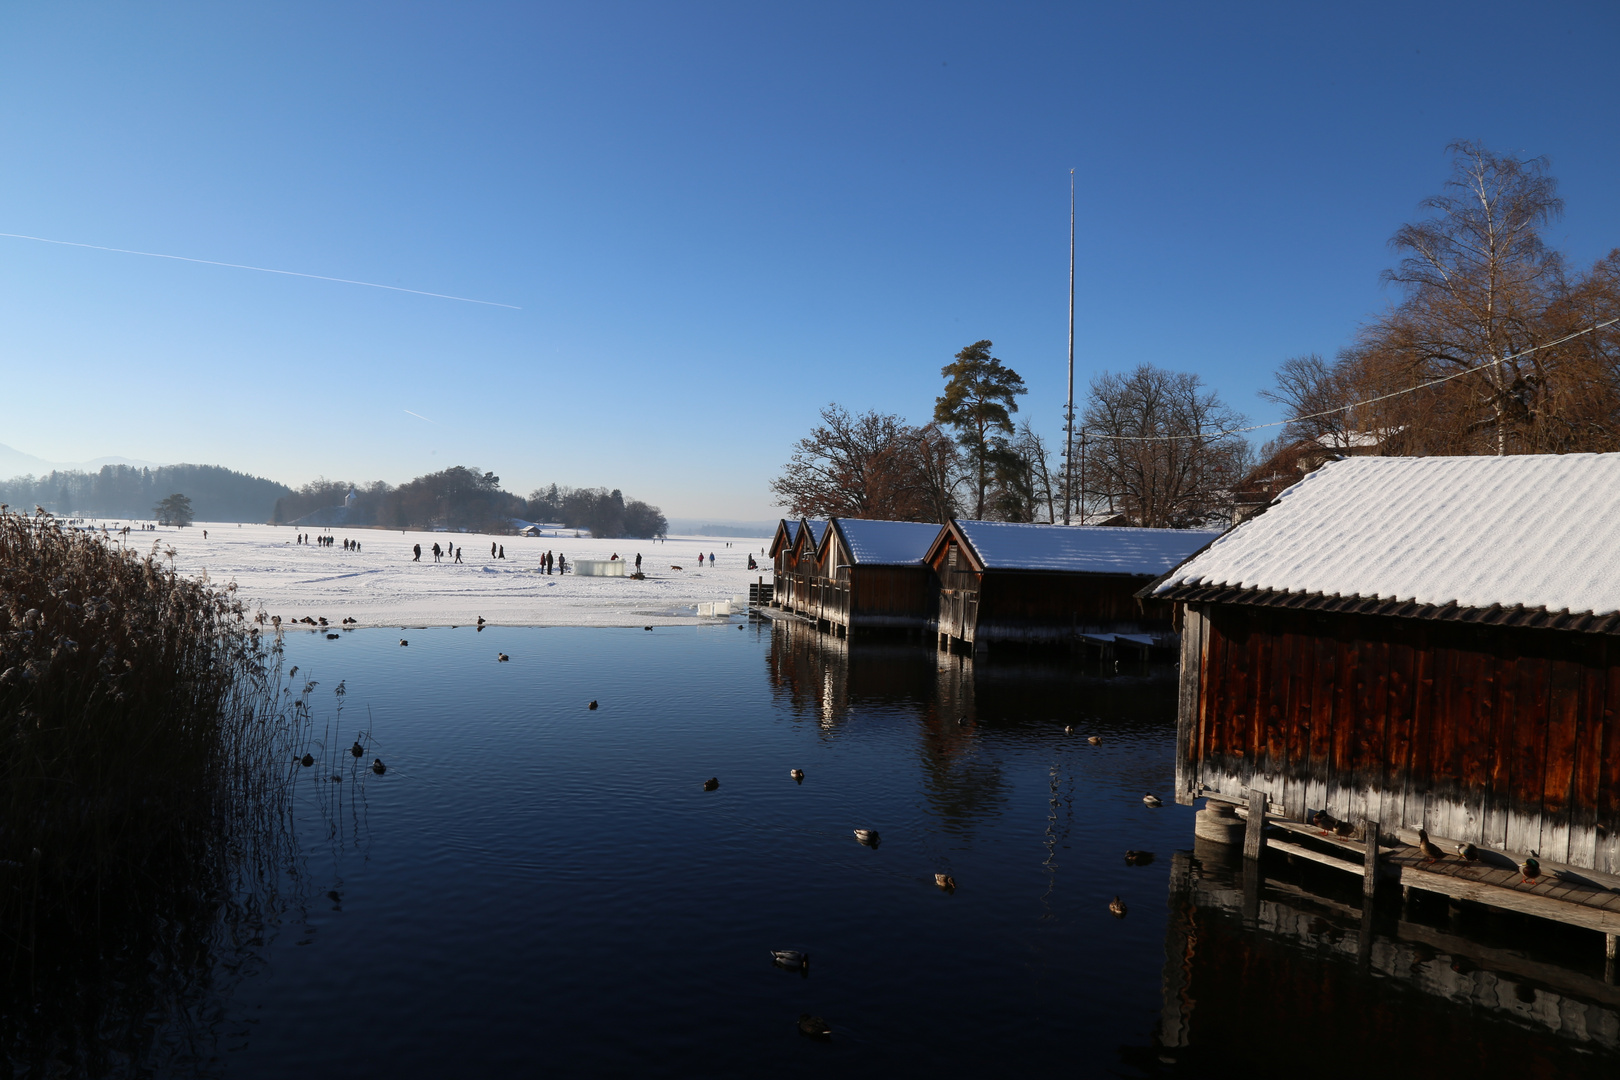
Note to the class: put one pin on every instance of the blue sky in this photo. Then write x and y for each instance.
(715, 218)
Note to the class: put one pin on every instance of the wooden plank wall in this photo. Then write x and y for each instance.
(1506, 737)
(1017, 605)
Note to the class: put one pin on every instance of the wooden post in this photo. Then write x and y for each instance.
(1254, 838)
(1369, 878)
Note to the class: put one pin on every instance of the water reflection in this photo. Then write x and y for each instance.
(1275, 970)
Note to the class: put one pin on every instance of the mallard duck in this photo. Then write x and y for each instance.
(797, 774)
(480, 620)
(1324, 821)
(357, 750)
(1344, 830)
(1469, 852)
(377, 766)
(790, 958)
(1094, 740)
(1138, 858)
(945, 881)
(592, 705)
(331, 637)
(1068, 729)
(502, 657)
(711, 783)
(869, 837)
(814, 1026)
(403, 642)
(1116, 908)
(1531, 869)
(307, 760)
(1151, 799)
(1431, 850)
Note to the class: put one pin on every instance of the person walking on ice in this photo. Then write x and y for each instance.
(418, 549)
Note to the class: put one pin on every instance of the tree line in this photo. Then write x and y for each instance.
(464, 497)
(1490, 349)
(124, 491)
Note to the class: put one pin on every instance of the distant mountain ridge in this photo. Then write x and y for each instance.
(14, 462)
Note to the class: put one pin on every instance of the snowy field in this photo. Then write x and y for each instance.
(380, 585)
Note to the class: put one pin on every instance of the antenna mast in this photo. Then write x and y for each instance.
(1068, 414)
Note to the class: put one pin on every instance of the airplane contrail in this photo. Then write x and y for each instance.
(419, 416)
(262, 270)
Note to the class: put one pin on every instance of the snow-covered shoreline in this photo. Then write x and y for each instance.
(380, 585)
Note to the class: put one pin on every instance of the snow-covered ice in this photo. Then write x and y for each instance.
(380, 585)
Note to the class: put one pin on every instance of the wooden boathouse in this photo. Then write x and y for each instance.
(1421, 643)
(795, 577)
(1001, 582)
(871, 576)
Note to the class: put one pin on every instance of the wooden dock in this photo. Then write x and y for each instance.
(1565, 894)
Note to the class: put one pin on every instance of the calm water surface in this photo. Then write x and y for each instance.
(533, 885)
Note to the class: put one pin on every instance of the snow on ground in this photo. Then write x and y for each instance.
(380, 585)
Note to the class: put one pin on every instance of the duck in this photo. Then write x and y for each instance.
(1469, 852)
(1344, 830)
(1151, 799)
(945, 881)
(377, 766)
(1138, 858)
(869, 837)
(322, 620)
(1431, 850)
(337, 778)
(1068, 729)
(646, 628)
(790, 958)
(592, 705)
(797, 774)
(403, 643)
(1531, 869)
(331, 637)
(1116, 908)
(1324, 821)
(711, 783)
(502, 657)
(307, 760)
(480, 620)
(814, 1026)
(1094, 740)
(357, 750)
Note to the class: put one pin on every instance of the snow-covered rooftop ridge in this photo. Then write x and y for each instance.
(887, 542)
(1541, 531)
(1091, 549)
(818, 530)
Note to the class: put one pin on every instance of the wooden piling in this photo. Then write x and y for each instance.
(1254, 838)
(1369, 876)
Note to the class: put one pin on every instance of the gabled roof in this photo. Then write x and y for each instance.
(1083, 549)
(786, 533)
(817, 529)
(1531, 531)
(885, 543)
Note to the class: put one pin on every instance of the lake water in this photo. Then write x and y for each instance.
(536, 886)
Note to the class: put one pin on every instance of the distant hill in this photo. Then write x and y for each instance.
(125, 491)
(14, 462)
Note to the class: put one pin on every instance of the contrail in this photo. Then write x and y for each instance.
(419, 416)
(262, 270)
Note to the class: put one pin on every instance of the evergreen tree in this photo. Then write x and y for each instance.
(978, 403)
(175, 510)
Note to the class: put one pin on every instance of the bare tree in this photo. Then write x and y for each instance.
(871, 465)
(1161, 448)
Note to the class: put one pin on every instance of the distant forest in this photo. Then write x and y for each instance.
(123, 491)
(456, 498)
(465, 498)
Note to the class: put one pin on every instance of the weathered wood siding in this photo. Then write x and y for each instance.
(1034, 605)
(890, 597)
(1507, 737)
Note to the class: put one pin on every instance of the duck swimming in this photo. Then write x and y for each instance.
(869, 837)
(945, 881)
(1138, 858)
(592, 704)
(357, 750)
(1116, 908)
(1094, 740)
(377, 766)
(797, 774)
(711, 783)
(814, 1026)
(1151, 799)
(790, 958)
(502, 657)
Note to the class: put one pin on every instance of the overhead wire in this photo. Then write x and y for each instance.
(1352, 405)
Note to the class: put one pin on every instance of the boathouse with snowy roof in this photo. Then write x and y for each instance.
(1416, 642)
(794, 569)
(870, 575)
(998, 581)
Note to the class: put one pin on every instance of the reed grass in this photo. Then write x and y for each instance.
(146, 775)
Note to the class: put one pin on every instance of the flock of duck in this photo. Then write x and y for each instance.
(1529, 869)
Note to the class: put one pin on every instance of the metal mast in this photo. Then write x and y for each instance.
(1068, 414)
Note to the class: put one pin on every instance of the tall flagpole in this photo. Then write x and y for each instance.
(1068, 428)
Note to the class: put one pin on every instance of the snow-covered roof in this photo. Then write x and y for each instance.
(1090, 549)
(1541, 531)
(818, 530)
(879, 543)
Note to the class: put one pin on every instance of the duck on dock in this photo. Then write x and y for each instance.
(1431, 850)
(1469, 852)
(1531, 869)
(1324, 821)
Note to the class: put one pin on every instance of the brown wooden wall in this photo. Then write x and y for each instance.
(891, 596)
(1506, 737)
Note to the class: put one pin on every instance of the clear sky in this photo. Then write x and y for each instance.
(715, 218)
